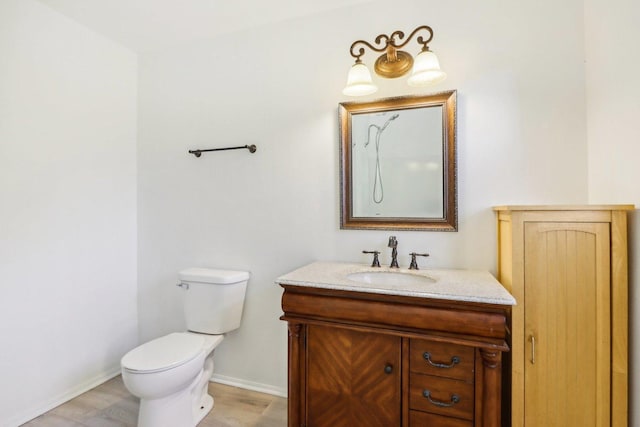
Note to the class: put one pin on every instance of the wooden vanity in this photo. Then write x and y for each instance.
(383, 354)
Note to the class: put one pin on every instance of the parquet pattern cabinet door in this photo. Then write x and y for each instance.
(567, 324)
(353, 378)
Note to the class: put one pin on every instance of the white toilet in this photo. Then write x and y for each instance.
(170, 374)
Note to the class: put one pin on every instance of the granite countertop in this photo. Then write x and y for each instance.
(455, 285)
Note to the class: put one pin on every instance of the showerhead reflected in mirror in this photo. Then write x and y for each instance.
(398, 163)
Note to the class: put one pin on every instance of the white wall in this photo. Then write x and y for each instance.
(613, 129)
(67, 208)
(519, 71)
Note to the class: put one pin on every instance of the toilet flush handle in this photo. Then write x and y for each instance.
(182, 285)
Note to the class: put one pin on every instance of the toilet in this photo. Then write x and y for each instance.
(170, 374)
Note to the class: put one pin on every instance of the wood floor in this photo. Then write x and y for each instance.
(111, 405)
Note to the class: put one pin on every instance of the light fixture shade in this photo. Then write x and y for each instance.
(426, 70)
(359, 81)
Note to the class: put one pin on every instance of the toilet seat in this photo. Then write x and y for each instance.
(164, 353)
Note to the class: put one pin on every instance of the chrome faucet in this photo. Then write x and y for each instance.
(393, 244)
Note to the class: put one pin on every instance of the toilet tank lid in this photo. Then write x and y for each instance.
(215, 276)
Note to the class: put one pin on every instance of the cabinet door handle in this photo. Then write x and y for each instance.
(388, 368)
(454, 399)
(454, 361)
(533, 349)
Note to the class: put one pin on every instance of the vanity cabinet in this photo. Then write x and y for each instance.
(367, 359)
(567, 268)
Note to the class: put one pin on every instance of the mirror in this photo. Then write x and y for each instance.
(398, 163)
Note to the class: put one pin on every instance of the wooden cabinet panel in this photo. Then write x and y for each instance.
(567, 268)
(353, 378)
(442, 359)
(567, 321)
(425, 419)
(443, 396)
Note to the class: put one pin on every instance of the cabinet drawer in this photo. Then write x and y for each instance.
(422, 419)
(441, 396)
(442, 359)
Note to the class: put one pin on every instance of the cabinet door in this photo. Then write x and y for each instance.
(353, 378)
(567, 324)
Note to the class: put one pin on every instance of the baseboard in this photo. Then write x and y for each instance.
(40, 408)
(249, 385)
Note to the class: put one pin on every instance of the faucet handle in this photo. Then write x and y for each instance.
(376, 262)
(414, 263)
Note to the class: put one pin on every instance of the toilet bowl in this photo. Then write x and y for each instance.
(171, 374)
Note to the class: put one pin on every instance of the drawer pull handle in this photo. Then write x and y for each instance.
(454, 361)
(388, 368)
(454, 399)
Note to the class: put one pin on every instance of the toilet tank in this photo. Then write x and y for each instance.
(213, 299)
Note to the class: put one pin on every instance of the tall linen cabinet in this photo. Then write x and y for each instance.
(567, 268)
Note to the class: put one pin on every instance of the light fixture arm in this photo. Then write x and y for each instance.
(420, 40)
(388, 43)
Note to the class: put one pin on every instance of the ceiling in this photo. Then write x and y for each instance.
(148, 25)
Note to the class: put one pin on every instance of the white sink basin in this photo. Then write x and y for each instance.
(389, 278)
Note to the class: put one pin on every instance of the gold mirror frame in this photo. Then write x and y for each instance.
(448, 220)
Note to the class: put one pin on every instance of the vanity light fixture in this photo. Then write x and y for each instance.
(394, 63)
